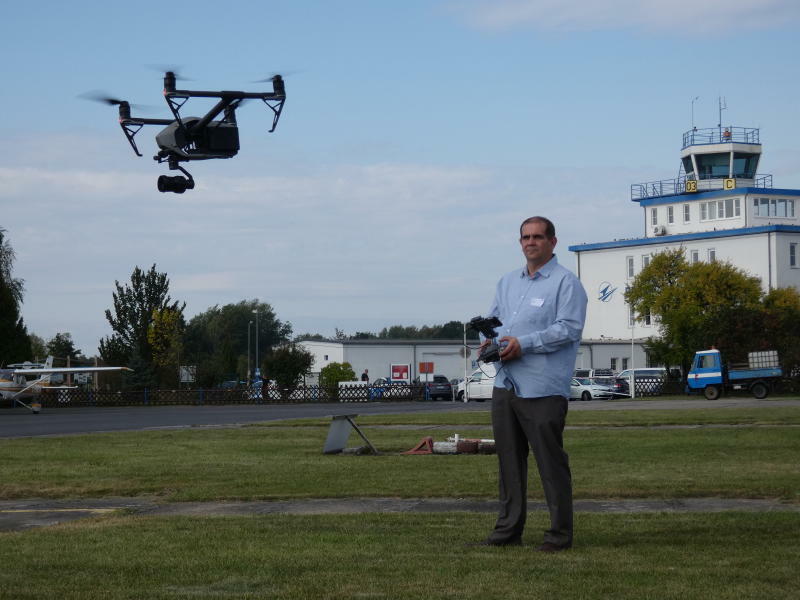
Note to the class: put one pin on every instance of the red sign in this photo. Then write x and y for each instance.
(426, 367)
(401, 372)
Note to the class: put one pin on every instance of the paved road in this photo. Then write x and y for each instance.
(19, 422)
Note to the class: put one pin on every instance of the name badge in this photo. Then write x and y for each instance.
(537, 302)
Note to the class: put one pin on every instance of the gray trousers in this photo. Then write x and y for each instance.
(518, 422)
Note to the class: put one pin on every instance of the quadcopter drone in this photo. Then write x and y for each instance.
(196, 138)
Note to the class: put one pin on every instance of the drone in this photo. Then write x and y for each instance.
(196, 138)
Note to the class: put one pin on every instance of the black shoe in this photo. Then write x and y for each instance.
(491, 542)
(551, 547)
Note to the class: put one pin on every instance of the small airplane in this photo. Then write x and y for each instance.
(27, 380)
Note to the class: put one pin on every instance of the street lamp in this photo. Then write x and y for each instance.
(258, 366)
(248, 352)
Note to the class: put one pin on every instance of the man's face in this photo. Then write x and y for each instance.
(536, 246)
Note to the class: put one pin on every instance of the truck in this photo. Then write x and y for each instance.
(711, 376)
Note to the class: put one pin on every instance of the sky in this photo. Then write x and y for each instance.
(415, 138)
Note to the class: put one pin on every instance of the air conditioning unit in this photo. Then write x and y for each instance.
(659, 230)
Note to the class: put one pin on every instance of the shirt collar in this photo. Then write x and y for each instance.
(544, 271)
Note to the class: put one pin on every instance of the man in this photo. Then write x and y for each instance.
(365, 375)
(542, 307)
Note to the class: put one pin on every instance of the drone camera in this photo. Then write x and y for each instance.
(177, 184)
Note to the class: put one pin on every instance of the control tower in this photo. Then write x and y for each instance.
(718, 208)
(715, 158)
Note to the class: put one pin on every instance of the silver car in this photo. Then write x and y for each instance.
(583, 388)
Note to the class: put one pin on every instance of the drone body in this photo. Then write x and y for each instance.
(185, 139)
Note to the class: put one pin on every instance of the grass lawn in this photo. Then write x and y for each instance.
(664, 556)
(273, 462)
(617, 454)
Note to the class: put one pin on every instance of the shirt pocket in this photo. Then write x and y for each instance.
(538, 313)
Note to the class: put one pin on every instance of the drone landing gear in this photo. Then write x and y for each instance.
(177, 184)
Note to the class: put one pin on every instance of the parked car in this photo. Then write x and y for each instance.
(649, 381)
(584, 388)
(383, 387)
(480, 383)
(439, 387)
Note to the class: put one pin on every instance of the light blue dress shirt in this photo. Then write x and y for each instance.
(546, 314)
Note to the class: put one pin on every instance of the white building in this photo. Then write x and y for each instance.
(377, 355)
(718, 208)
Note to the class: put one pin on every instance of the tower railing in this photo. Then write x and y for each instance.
(677, 185)
(721, 135)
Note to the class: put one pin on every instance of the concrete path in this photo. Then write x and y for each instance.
(17, 515)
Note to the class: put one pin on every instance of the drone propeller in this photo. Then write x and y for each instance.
(275, 76)
(174, 69)
(105, 98)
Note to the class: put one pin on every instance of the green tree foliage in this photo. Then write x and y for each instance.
(310, 337)
(38, 347)
(131, 320)
(331, 374)
(216, 340)
(698, 306)
(286, 365)
(15, 345)
(165, 336)
(61, 346)
(782, 326)
(452, 330)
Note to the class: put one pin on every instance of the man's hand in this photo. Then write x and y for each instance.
(511, 350)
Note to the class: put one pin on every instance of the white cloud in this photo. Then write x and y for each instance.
(674, 16)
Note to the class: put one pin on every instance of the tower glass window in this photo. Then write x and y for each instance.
(713, 166)
(744, 165)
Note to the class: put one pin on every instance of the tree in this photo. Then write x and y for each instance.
(166, 340)
(331, 374)
(134, 307)
(216, 340)
(697, 306)
(38, 347)
(15, 345)
(62, 346)
(782, 326)
(286, 365)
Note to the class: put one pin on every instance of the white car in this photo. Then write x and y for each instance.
(584, 388)
(480, 384)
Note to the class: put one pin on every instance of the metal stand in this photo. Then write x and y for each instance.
(339, 432)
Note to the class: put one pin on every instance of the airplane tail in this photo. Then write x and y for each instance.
(48, 364)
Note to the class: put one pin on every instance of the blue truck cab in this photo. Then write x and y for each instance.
(710, 376)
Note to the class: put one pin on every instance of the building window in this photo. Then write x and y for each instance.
(712, 255)
(695, 256)
(773, 207)
(648, 320)
(325, 357)
(613, 364)
(645, 261)
(670, 215)
(624, 363)
(686, 213)
(629, 266)
(631, 317)
(653, 216)
(720, 209)
(793, 255)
